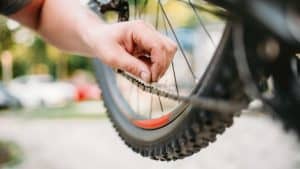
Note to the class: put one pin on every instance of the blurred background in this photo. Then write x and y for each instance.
(35, 74)
(52, 117)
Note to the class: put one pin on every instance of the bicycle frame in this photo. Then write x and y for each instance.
(280, 17)
(274, 19)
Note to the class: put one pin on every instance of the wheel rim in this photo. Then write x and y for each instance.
(190, 29)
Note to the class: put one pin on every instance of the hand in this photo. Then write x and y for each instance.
(135, 47)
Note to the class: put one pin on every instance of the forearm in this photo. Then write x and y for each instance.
(61, 22)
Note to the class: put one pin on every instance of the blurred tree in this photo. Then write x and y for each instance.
(32, 55)
(6, 37)
(76, 62)
(67, 64)
(38, 52)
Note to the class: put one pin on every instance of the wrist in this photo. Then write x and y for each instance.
(89, 30)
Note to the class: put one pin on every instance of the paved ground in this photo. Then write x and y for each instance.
(253, 142)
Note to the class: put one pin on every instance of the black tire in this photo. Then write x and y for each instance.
(194, 129)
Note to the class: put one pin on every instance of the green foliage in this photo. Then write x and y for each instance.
(76, 62)
(5, 36)
(10, 154)
(38, 51)
(38, 56)
(19, 68)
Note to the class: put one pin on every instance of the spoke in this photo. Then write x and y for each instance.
(177, 40)
(138, 100)
(160, 104)
(202, 24)
(203, 7)
(172, 64)
(157, 16)
(165, 26)
(156, 27)
(130, 94)
(175, 79)
(144, 7)
(151, 108)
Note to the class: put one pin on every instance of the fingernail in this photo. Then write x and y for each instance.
(146, 76)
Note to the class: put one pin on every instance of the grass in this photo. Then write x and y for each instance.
(71, 111)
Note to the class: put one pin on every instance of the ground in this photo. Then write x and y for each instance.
(253, 142)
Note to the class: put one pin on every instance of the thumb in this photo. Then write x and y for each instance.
(126, 62)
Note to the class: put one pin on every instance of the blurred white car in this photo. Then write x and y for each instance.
(7, 101)
(41, 90)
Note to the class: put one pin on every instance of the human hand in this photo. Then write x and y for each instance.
(135, 47)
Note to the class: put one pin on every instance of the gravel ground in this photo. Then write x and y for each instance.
(253, 142)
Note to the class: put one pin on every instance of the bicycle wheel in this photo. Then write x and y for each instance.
(162, 128)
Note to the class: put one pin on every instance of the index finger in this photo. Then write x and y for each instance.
(159, 47)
